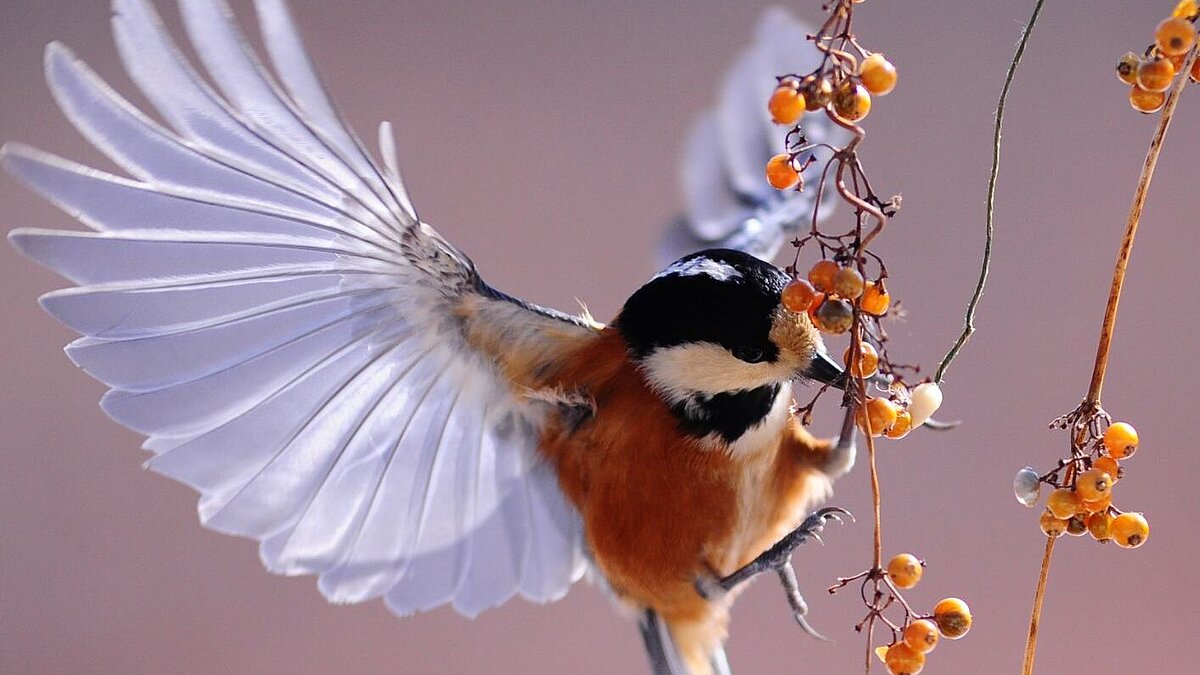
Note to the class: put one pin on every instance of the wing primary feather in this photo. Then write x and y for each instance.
(231, 62)
(288, 54)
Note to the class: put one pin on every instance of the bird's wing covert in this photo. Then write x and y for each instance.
(260, 297)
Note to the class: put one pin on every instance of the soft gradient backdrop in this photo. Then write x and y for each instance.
(543, 137)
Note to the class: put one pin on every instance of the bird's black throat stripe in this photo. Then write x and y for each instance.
(728, 414)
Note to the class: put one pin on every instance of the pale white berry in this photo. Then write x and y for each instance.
(926, 399)
(1027, 487)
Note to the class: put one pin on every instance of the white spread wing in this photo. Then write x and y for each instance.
(728, 201)
(268, 310)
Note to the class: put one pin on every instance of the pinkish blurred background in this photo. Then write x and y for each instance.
(543, 137)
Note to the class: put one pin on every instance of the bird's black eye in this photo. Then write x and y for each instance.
(750, 354)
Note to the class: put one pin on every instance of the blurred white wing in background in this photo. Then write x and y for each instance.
(728, 203)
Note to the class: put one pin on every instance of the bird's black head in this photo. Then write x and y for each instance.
(712, 324)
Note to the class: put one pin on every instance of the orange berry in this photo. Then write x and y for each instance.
(1109, 466)
(851, 101)
(878, 74)
(921, 636)
(875, 299)
(953, 618)
(798, 295)
(1051, 526)
(1093, 485)
(1186, 9)
(817, 93)
(1130, 530)
(1063, 503)
(905, 570)
(835, 316)
(1194, 73)
(1146, 102)
(780, 172)
(817, 301)
(786, 104)
(880, 413)
(903, 660)
(848, 283)
(1127, 67)
(901, 427)
(868, 360)
(1155, 75)
(1077, 525)
(821, 275)
(1175, 36)
(1101, 504)
(1100, 525)
(1121, 440)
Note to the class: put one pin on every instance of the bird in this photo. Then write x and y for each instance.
(338, 382)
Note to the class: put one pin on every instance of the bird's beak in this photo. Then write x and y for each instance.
(825, 370)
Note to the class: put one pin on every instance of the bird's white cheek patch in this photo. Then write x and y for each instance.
(707, 368)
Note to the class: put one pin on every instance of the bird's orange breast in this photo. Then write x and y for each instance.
(661, 508)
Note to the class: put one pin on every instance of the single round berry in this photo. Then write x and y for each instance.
(926, 399)
(878, 74)
(836, 316)
(900, 427)
(880, 413)
(1127, 67)
(905, 570)
(1100, 525)
(903, 660)
(867, 363)
(848, 283)
(1130, 530)
(875, 299)
(1027, 486)
(821, 275)
(786, 104)
(1109, 466)
(1121, 440)
(780, 172)
(851, 101)
(1052, 527)
(1077, 525)
(1093, 485)
(798, 295)
(1175, 36)
(921, 636)
(817, 91)
(953, 618)
(1146, 102)
(1156, 75)
(1063, 503)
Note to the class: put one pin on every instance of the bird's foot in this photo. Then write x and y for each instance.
(778, 558)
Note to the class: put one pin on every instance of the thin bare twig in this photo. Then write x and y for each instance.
(969, 320)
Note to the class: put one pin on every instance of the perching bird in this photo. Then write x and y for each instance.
(339, 383)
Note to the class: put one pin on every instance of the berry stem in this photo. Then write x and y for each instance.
(1135, 214)
(969, 320)
(1035, 617)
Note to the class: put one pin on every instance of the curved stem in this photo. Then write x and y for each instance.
(985, 267)
(1135, 214)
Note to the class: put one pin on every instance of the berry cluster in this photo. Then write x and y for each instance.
(915, 635)
(1081, 502)
(845, 292)
(1152, 73)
